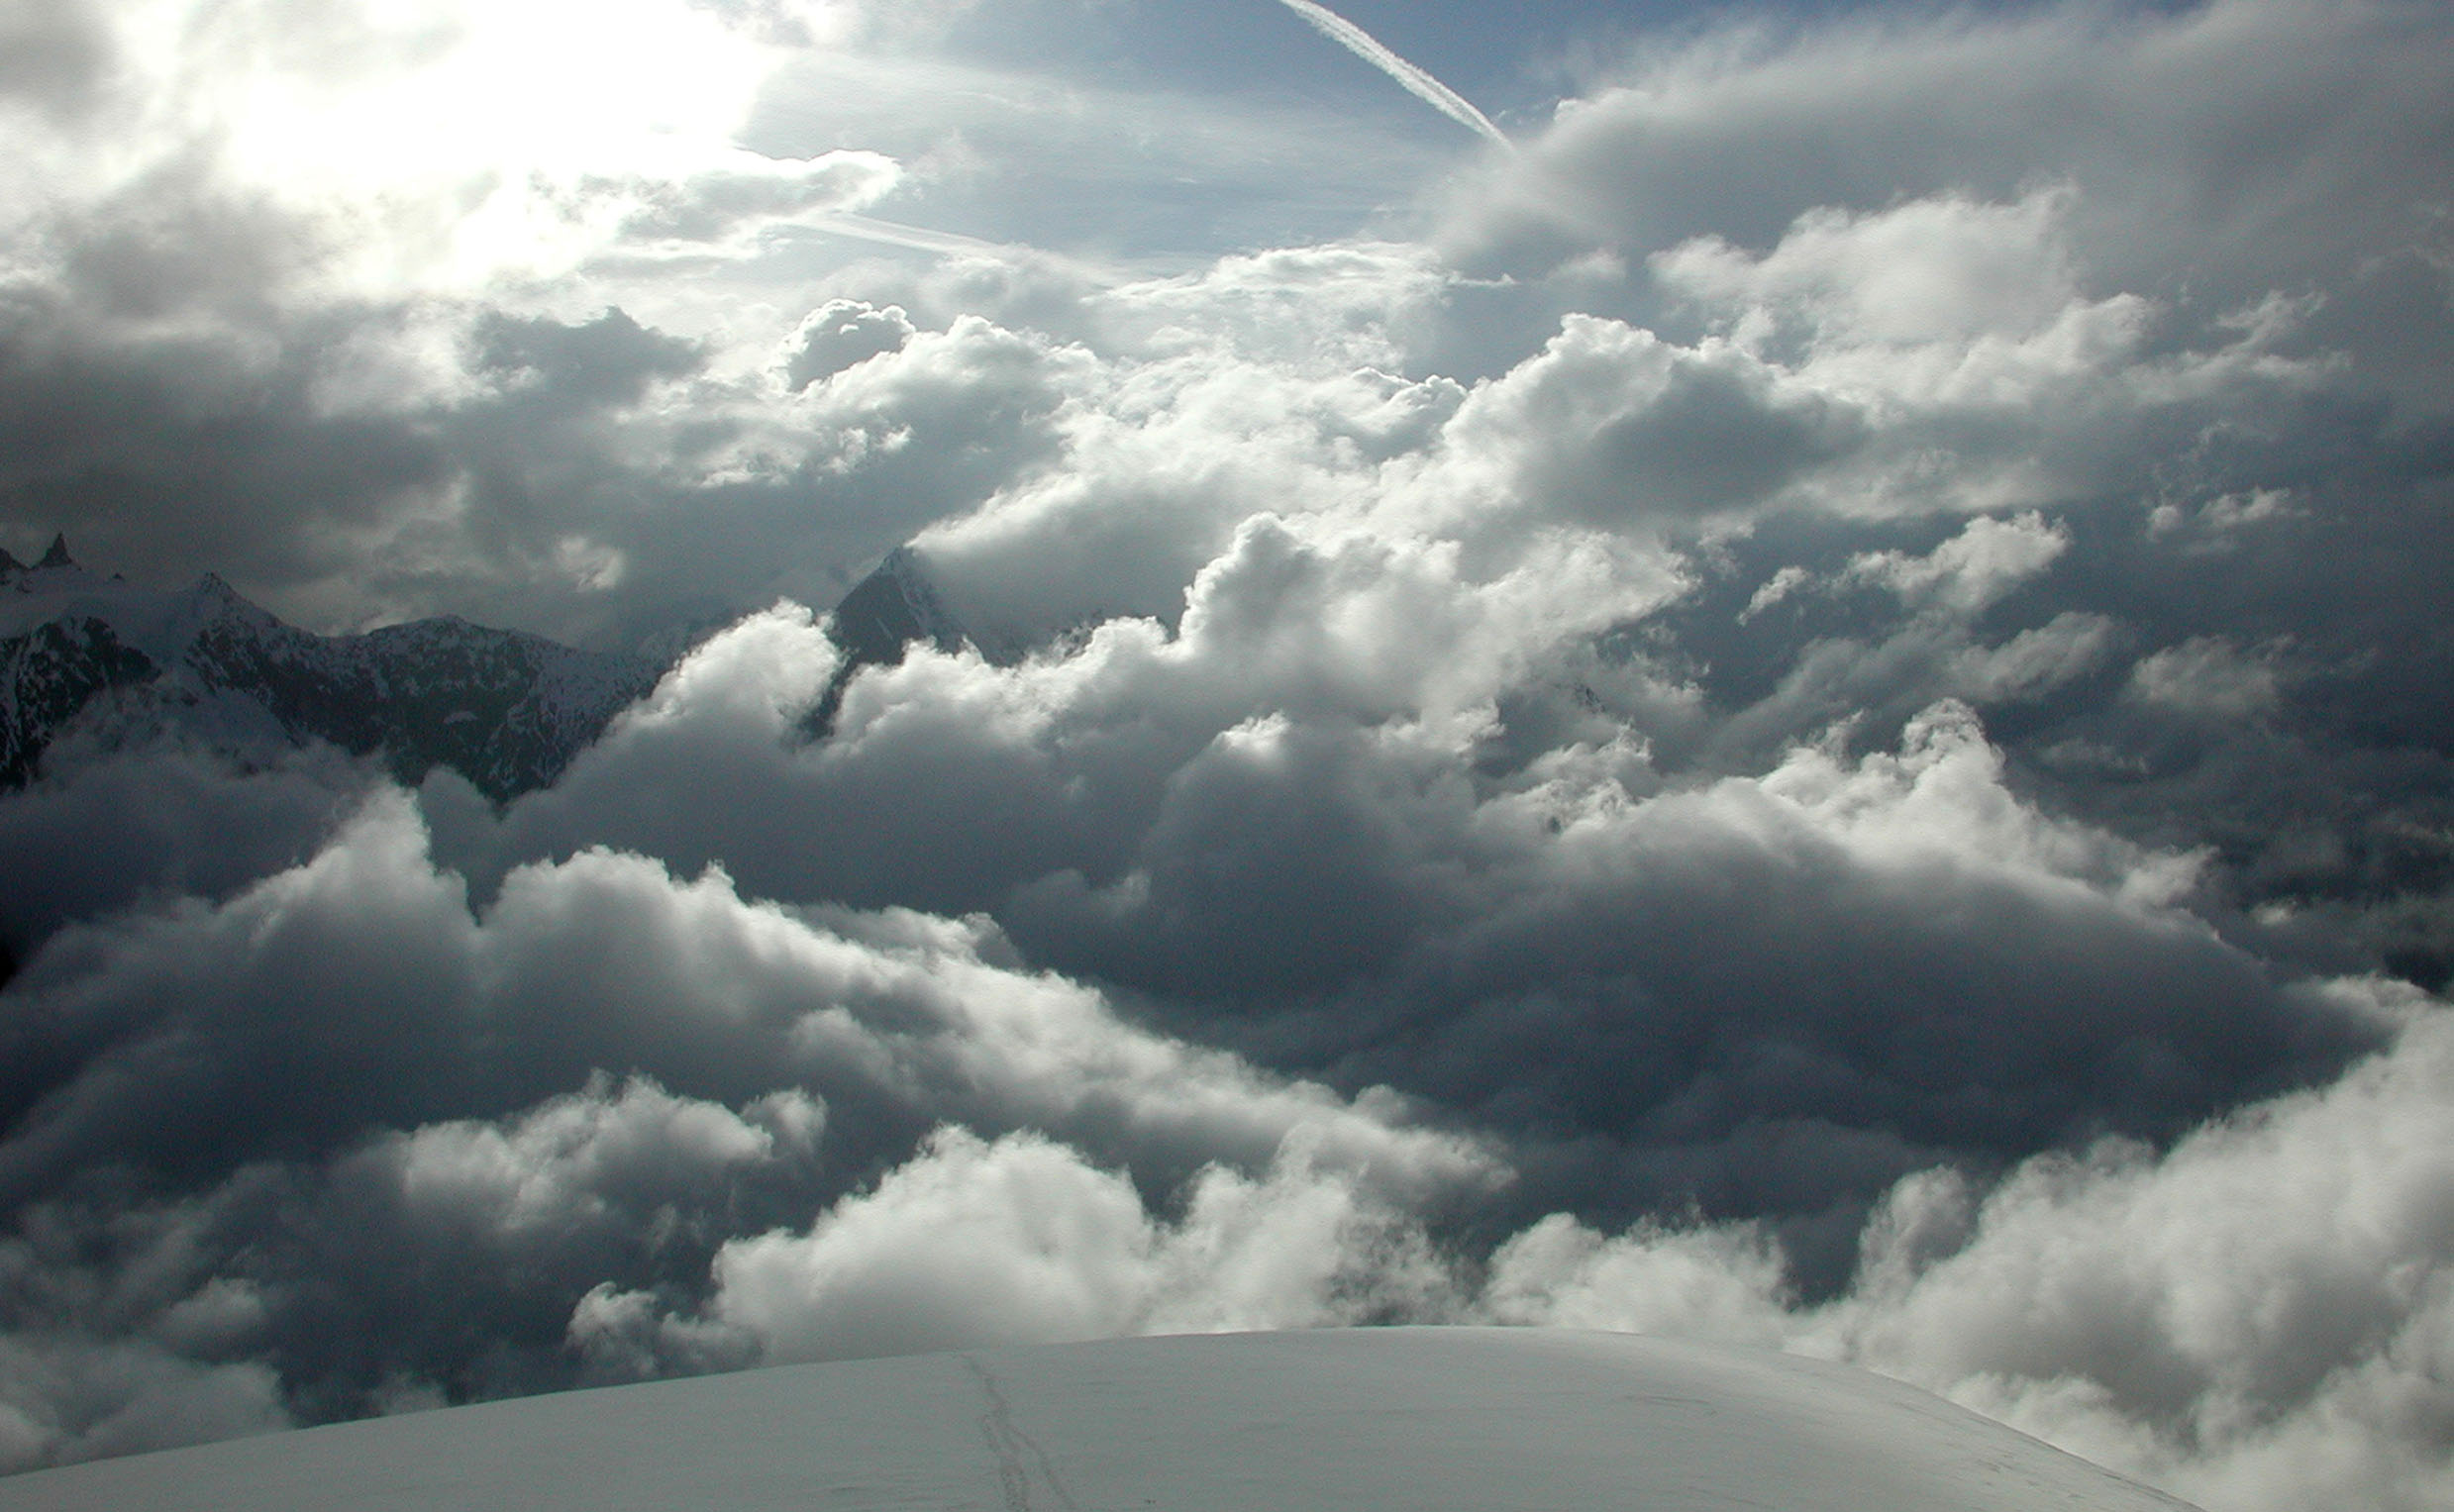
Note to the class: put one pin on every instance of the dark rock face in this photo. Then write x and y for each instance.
(506, 710)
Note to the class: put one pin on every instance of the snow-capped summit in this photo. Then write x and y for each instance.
(97, 658)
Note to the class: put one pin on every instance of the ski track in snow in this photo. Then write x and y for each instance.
(1010, 1445)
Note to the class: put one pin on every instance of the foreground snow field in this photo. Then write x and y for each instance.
(1422, 1419)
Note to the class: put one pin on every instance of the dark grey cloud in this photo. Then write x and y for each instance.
(609, 360)
(55, 55)
(542, 496)
(1665, 994)
(115, 830)
(169, 450)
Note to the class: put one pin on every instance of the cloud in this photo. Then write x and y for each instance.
(1325, 693)
(1565, 963)
(749, 195)
(1973, 568)
(1021, 1241)
(1738, 134)
(461, 1120)
(115, 830)
(2247, 1319)
(1187, 816)
(80, 1400)
(2207, 676)
(610, 360)
(1612, 426)
(710, 991)
(58, 53)
(1810, 714)
(839, 334)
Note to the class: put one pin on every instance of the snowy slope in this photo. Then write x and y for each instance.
(1420, 1419)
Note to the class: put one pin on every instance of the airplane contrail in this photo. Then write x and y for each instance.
(869, 227)
(1414, 79)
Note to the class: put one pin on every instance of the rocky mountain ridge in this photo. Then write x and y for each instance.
(95, 659)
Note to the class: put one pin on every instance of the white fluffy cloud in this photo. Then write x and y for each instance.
(1021, 1240)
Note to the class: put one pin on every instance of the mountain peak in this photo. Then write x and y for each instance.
(57, 556)
(884, 614)
(891, 608)
(213, 597)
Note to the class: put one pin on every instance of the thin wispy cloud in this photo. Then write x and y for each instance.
(1414, 79)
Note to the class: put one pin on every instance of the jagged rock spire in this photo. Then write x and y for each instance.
(57, 556)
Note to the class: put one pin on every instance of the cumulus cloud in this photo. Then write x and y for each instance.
(808, 1054)
(118, 829)
(1021, 1241)
(839, 334)
(72, 1400)
(1612, 425)
(2249, 1318)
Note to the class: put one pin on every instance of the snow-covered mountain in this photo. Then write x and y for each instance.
(95, 658)
(1431, 1420)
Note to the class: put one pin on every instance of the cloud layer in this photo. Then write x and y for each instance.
(1804, 711)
